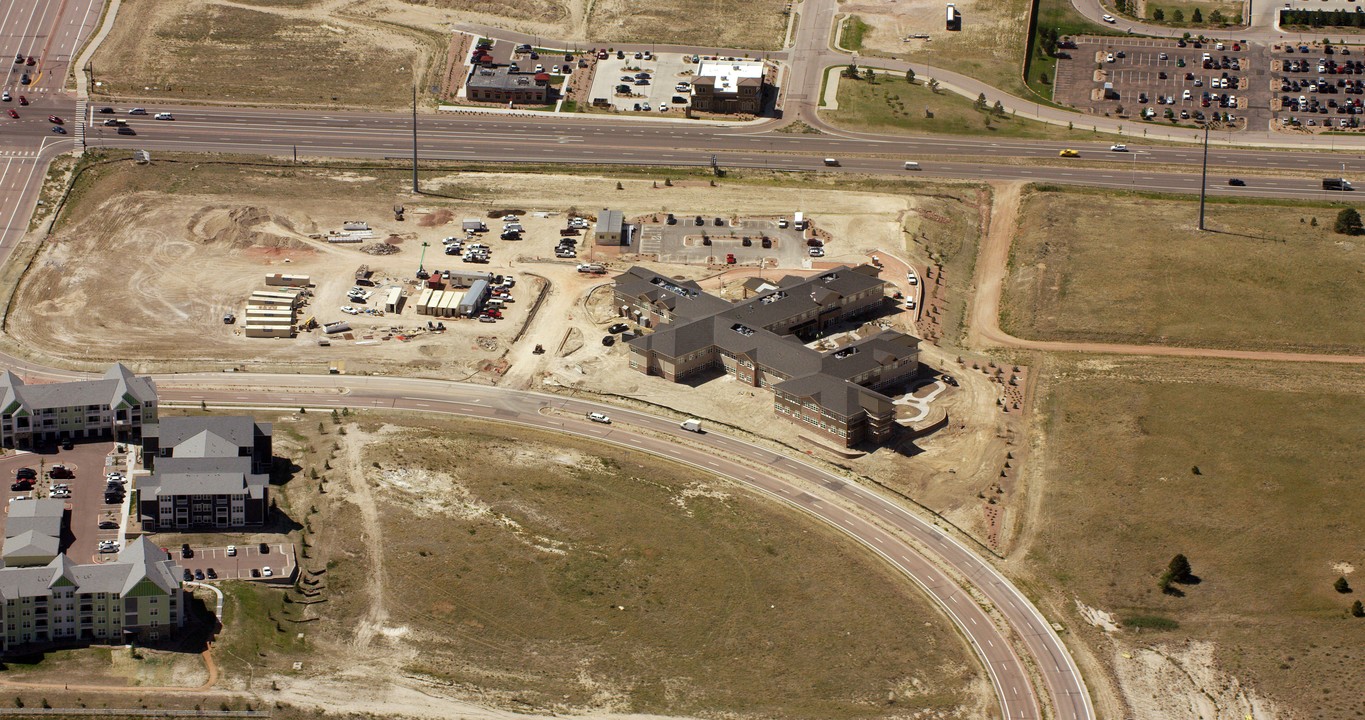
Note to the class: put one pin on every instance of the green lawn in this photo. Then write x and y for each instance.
(854, 30)
(891, 104)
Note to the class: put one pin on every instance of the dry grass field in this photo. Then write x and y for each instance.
(544, 574)
(1269, 520)
(758, 25)
(990, 46)
(1267, 278)
(291, 53)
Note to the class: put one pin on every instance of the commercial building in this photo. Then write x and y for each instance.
(138, 597)
(502, 84)
(836, 394)
(612, 228)
(113, 407)
(207, 473)
(729, 86)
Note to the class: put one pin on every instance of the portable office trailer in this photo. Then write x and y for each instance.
(279, 280)
(269, 331)
(469, 305)
(424, 302)
(269, 321)
(272, 308)
(394, 299)
(270, 297)
(465, 279)
(273, 312)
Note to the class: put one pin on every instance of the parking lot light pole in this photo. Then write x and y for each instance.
(1204, 177)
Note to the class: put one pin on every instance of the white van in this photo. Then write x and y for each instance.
(163, 116)
(910, 165)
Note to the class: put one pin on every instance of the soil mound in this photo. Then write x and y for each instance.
(244, 226)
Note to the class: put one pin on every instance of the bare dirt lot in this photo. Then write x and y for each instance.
(293, 53)
(207, 234)
(1273, 276)
(452, 567)
(1246, 469)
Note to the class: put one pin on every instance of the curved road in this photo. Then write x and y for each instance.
(871, 519)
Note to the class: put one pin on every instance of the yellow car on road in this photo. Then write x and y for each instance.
(1068, 153)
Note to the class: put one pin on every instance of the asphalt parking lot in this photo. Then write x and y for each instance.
(248, 558)
(685, 242)
(1318, 87)
(1165, 81)
(665, 72)
(86, 506)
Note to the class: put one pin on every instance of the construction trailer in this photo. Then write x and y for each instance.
(473, 299)
(424, 301)
(394, 301)
(269, 331)
(280, 280)
(272, 308)
(284, 314)
(466, 279)
(290, 297)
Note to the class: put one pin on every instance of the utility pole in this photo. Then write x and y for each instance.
(415, 189)
(1204, 177)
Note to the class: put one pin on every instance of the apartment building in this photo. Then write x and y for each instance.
(113, 407)
(137, 597)
(208, 473)
(835, 394)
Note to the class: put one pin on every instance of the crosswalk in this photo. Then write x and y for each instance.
(18, 153)
(79, 118)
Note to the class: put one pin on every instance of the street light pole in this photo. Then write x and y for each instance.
(415, 189)
(1204, 177)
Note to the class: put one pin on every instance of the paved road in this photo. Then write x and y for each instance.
(866, 516)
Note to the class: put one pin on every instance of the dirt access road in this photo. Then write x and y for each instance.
(983, 321)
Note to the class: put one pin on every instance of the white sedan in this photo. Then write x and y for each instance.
(1118, 148)
(349, 310)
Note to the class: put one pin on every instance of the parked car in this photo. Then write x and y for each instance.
(212, 575)
(108, 525)
(267, 572)
(189, 576)
(186, 551)
(232, 551)
(618, 328)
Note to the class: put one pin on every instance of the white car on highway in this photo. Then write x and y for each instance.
(1118, 148)
(599, 418)
(1109, 19)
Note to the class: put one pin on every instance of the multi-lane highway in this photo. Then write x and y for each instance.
(51, 31)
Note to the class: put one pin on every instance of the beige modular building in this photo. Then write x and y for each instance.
(273, 312)
(424, 301)
(278, 280)
(267, 297)
(269, 331)
(450, 303)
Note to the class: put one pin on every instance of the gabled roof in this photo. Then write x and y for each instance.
(118, 388)
(238, 430)
(30, 544)
(42, 516)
